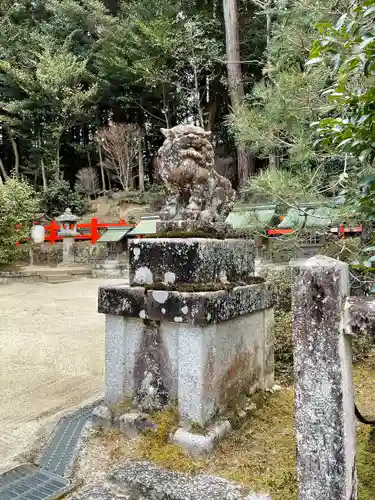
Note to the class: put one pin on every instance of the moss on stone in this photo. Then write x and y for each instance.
(155, 445)
(122, 407)
(261, 452)
(196, 428)
(200, 287)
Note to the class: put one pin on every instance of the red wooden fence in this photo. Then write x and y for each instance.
(53, 228)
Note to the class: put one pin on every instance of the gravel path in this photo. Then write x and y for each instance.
(51, 358)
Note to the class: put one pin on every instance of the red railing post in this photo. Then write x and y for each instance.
(95, 235)
(53, 227)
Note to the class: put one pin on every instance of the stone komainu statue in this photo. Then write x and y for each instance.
(195, 190)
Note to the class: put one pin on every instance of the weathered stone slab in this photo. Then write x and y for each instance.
(197, 308)
(269, 348)
(199, 445)
(324, 401)
(190, 260)
(145, 481)
(102, 417)
(120, 300)
(144, 478)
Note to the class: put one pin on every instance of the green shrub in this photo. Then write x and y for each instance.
(18, 205)
(281, 279)
(363, 345)
(283, 345)
(60, 196)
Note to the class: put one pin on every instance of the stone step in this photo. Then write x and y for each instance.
(108, 273)
(61, 278)
(55, 271)
(110, 266)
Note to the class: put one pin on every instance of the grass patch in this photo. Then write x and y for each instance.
(260, 454)
(363, 377)
(155, 446)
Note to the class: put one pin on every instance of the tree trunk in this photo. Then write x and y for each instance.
(140, 166)
(16, 156)
(88, 158)
(213, 103)
(197, 97)
(273, 161)
(58, 158)
(3, 171)
(44, 175)
(109, 180)
(101, 167)
(166, 105)
(235, 83)
(274, 158)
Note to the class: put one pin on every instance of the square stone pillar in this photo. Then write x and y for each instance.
(324, 396)
(122, 338)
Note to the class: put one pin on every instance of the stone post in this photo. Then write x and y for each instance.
(324, 398)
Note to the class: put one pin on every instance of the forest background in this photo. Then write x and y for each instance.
(285, 87)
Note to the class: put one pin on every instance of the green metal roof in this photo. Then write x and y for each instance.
(251, 217)
(320, 217)
(114, 235)
(147, 226)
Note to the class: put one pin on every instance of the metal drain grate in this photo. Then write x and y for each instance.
(62, 449)
(29, 482)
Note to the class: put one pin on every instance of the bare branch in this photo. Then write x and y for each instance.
(120, 144)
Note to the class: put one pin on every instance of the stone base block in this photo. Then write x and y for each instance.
(190, 260)
(197, 308)
(102, 418)
(201, 445)
(202, 349)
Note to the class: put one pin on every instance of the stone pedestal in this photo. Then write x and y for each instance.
(200, 347)
(167, 342)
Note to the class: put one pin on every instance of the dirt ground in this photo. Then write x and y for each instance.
(51, 359)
